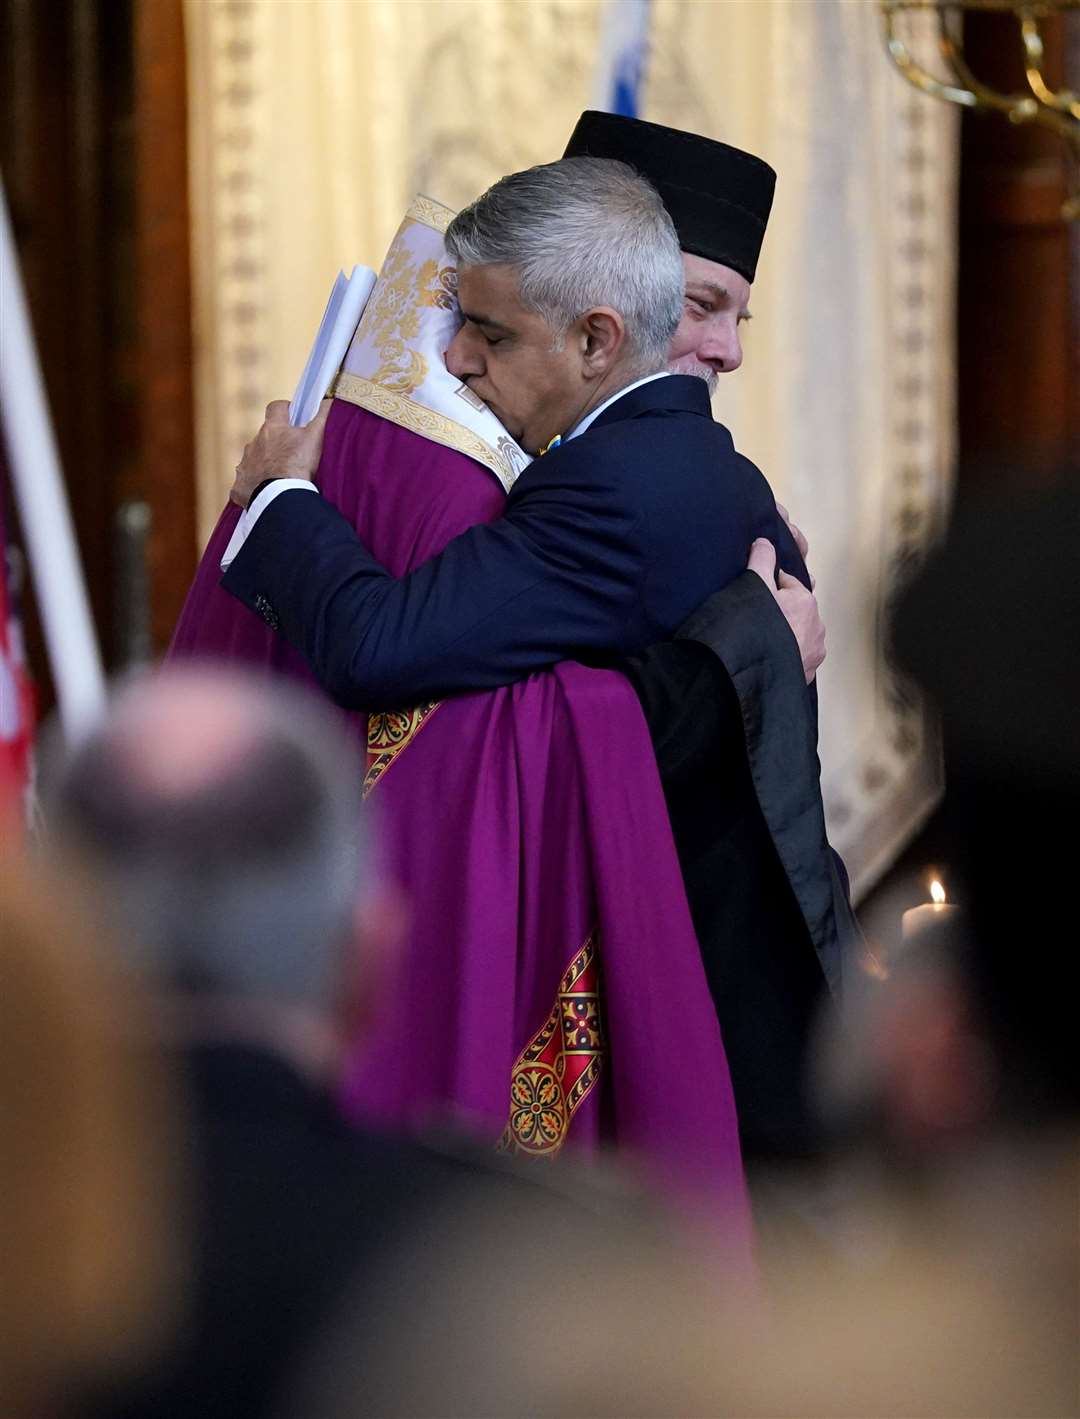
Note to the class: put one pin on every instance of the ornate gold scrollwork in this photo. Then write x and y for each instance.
(1057, 110)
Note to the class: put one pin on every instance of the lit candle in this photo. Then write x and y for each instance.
(931, 916)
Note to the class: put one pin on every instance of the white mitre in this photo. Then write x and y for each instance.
(395, 365)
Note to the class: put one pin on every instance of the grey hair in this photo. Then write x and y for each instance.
(581, 232)
(241, 885)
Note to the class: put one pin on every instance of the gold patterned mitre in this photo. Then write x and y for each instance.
(395, 365)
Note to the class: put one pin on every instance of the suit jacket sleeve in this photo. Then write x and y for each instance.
(559, 572)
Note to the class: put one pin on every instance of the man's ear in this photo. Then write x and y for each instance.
(603, 335)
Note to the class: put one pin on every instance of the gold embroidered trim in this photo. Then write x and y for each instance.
(408, 414)
(431, 213)
(388, 733)
(561, 1063)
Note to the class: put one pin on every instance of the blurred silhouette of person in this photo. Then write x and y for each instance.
(958, 1285)
(84, 1195)
(992, 630)
(221, 823)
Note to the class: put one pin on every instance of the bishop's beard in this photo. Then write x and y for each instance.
(688, 364)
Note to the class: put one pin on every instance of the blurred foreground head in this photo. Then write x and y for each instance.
(952, 1286)
(219, 816)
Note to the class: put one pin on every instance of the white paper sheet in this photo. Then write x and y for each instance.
(348, 298)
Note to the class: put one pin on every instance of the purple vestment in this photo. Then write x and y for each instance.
(552, 990)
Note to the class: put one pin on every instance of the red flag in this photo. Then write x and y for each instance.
(17, 699)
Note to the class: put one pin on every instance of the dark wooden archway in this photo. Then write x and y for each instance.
(1018, 297)
(93, 149)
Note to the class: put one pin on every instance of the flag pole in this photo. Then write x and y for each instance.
(42, 503)
(622, 57)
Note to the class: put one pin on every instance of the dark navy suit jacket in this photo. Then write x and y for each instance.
(607, 545)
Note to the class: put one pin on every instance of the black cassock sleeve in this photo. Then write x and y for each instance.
(741, 789)
(690, 707)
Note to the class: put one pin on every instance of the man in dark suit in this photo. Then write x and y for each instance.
(609, 541)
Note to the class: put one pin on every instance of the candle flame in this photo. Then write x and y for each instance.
(937, 891)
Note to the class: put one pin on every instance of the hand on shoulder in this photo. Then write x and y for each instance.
(279, 450)
(798, 605)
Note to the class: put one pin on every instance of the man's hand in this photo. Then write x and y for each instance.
(280, 451)
(800, 540)
(798, 605)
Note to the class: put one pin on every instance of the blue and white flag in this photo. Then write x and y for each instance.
(620, 64)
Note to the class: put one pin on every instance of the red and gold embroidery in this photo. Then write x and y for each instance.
(388, 734)
(561, 1063)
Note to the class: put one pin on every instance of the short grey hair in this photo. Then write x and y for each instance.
(581, 232)
(240, 883)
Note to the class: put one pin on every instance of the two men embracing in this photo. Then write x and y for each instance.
(589, 727)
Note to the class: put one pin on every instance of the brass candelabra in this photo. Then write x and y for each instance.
(1055, 109)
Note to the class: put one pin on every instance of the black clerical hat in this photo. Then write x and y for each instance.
(718, 197)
